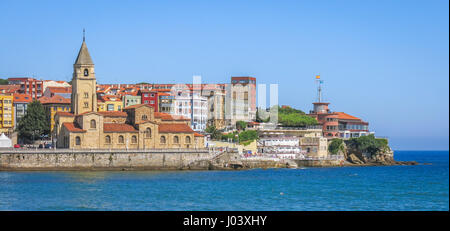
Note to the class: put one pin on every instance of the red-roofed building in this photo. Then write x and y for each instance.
(29, 86)
(337, 124)
(9, 89)
(55, 104)
(149, 97)
(65, 92)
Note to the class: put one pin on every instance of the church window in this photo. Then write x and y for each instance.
(148, 133)
(121, 141)
(108, 139)
(175, 140)
(77, 140)
(86, 104)
(188, 139)
(163, 140)
(86, 72)
(86, 95)
(93, 124)
(133, 139)
(144, 117)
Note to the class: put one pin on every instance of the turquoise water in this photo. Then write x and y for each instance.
(422, 187)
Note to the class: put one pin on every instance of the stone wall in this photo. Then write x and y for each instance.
(102, 160)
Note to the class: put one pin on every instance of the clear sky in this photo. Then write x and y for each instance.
(384, 61)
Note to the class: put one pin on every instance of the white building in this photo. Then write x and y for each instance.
(190, 104)
(277, 144)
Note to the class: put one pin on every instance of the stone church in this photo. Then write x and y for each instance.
(136, 127)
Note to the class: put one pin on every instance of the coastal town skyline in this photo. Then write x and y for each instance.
(382, 103)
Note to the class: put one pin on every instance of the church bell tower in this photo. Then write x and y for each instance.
(84, 85)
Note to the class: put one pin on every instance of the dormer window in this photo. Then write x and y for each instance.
(86, 72)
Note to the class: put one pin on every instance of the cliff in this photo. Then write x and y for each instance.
(356, 152)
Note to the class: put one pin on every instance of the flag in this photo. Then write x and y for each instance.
(317, 76)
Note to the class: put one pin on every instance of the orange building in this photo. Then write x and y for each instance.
(338, 124)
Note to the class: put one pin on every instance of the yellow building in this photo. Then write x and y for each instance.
(109, 103)
(6, 114)
(54, 104)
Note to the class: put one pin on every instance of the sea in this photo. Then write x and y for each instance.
(421, 187)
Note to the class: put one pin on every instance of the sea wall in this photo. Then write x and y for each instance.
(104, 160)
(319, 163)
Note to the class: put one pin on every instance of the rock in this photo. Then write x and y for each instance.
(352, 158)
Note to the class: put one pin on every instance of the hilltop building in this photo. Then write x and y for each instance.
(337, 124)
(137, 127)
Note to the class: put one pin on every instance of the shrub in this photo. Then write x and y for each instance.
(335, 145)
(368, 144)
(248, 135)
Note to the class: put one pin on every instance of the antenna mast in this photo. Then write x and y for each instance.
(319, 88)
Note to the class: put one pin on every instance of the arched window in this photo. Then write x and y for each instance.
(148, 133)
(77, 140)
(144, 117)
(133, 139)
(175, 140)
(108, 139)
(121, 140)
(93, 124)
(86, 72)
(163, 140)
(188, 139)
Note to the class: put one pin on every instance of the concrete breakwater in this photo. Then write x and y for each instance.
(64, 159)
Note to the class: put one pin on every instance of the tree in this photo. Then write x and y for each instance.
(241, 125)
(35, 123)
(335, 145)
(368, 144)
(3, 82)
(248, 135)
(215, 134)
(295, 120)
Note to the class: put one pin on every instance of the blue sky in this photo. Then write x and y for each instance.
(383, 61)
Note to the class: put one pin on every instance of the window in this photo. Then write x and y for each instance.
(77, 140)
(86, 104)
(110, 107)
(93, 124)
(121, 140)
(188, 139)
(163, 140)
(118, 108)
(86, 72)
(144, 117)
(108, 139)
(175, 140)
(86, 95)
(148, 133)
(133, 139)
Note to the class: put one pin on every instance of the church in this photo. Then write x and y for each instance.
(136, 127)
